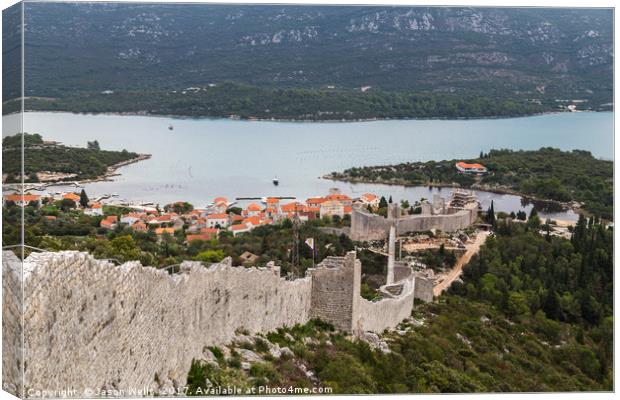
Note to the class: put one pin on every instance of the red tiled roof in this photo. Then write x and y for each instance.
(465, 165)
(139, 225)
(133, 215)
(272, 200)
(291, 207)
(254, 207)
(220, 200)
(109, 221)
(239, 227)
(161, 231)
(200, 236)
(18, 197)
(71, 196)
(255, 220)
(217, 216)
(369, 197)
(315, 200)
(337, 197)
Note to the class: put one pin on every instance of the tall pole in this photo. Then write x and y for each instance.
(391, 251)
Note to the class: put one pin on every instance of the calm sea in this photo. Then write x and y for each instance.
(204, 158)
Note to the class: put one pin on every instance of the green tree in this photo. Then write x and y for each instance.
(83, 199)
(210, 256)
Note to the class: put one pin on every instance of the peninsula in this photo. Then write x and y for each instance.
(52, 162)
(575, 179)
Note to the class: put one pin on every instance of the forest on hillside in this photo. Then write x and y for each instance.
(533, 314)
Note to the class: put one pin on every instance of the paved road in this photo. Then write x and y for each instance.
(471, 249)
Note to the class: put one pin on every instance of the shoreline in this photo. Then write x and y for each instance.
(301, 120)
(564, 206)
(106, 177)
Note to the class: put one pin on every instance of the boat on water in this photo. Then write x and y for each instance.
(170, 127)
(276, 182)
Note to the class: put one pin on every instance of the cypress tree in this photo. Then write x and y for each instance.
(83, 198)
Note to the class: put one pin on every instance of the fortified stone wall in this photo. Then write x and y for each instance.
(366, 226)
(92, 325)
(386, 313)
(11, 324)
(424, 287)
(443, 222)
(336, 291)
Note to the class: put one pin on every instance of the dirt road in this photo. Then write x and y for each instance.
(451, 276)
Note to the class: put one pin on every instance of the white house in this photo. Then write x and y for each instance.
(94, 210)
(239, 228)
(23, 200)
(215, 220)
(331, 208)
(470, 168)
(369, 199)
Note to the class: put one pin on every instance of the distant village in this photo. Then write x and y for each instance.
(206, 223)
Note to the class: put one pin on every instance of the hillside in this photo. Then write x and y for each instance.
(507, 53)
(534, 314)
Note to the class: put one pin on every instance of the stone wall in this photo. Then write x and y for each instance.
(424, 287)
(366, 226)
(336, 291)
(90, 324)
(11, 324)
(388, 312)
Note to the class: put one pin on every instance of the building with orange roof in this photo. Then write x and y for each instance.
(218, 220)
(475, 168)
(94, 209)
(342, 198)
(139, 226)
(369, 199)
(315, 201)
(236, 218)
(210, 231)
(22, 200)
(110, 222)
(71, 196)
(331, 208)
(132, 218)
(199, 236)
(238, 229)
(254, 209)
(291, 207)
(161, 231)
(218, 200)
(253, 220)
